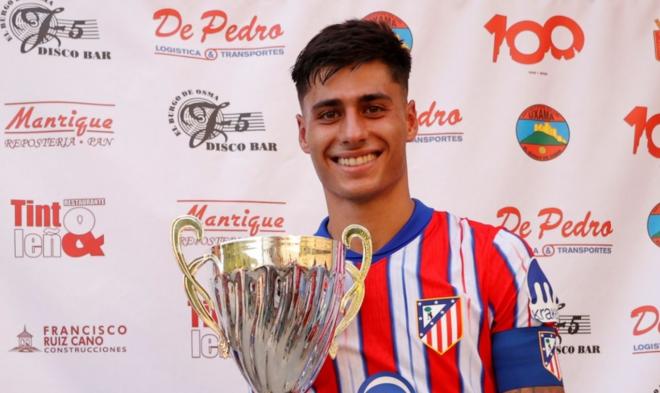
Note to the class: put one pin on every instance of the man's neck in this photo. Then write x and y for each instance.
(383, 217)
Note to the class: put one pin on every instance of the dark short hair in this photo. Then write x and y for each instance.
(350, 44)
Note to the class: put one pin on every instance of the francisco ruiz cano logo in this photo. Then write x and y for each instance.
(542, 132)
(398, 26)
(582, 234)
(237, 39)
(39, 27)
(653, 225)
(200, 115)
(82, 338)
(63, 124)
(37, 228)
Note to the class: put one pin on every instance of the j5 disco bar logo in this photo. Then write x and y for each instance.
(47, 230)
(40, 28)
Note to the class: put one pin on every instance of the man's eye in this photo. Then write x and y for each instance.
(328, 115)
(373, 109)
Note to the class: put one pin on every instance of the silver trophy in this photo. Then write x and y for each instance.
(281, 301)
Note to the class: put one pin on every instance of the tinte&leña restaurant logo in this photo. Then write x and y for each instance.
(554, 232)
(40, 27)
(216, 34)
(76, 338)
(206, 121)
(55, 229)
(225, 219)
(58, 124)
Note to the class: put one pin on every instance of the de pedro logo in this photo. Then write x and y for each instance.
(55, 229)
(41, 27)
(542, 132)
(210, 123)
(398, 26)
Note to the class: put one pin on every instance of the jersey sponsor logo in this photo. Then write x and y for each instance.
(542, 132)
(385, 383)
(548, 342)
(440, 322)
(653, 225)
(544, 303)
(398, 26)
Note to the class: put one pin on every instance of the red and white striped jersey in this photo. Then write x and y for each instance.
(435, 295)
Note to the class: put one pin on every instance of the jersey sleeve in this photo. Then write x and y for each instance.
(524, 309)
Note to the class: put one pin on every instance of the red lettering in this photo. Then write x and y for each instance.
(210, 27)
(165, 14)
(638, 119)
(21, 119)
(510, 211)
(199, 213)
(548, 224)
(640, 312)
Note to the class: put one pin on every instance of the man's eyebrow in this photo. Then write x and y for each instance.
(325, 103)
(335, 102)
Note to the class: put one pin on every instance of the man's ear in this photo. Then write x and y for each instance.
(411, 121)
(302, 134)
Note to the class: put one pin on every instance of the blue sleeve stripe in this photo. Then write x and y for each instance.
(518, 360)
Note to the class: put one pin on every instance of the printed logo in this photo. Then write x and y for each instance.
(644, 125)
(439, 125)
(544, 38)
(84, 338)
(440, 322)
(199, 115)
(398, 26)
(573, 325)
(41, 29)
(236, 38)
(544, 303)
(653, 225)
(24, 342)
(225, 220)
(656, 39)
(203, 341)
(386, 383)
(548, 343)
(542, 132)
(37, 228)
(579, 235)
(58, 124)
(647, 324)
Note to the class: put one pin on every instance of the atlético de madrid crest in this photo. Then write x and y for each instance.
(440, 322)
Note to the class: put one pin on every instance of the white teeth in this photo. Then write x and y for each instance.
(354, 161)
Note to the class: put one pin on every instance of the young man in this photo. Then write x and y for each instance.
(451, 305)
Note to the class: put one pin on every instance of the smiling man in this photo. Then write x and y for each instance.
(451, 305)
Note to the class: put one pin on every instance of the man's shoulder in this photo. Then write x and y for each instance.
(477, 229)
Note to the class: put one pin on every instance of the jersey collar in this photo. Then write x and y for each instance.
(418, 220)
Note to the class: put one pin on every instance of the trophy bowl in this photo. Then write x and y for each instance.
(280, 301)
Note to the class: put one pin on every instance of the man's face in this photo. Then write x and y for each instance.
(355, 127)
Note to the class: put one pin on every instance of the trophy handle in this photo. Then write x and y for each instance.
(194, 290)
(354, 296)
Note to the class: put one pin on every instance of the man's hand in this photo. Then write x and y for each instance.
(538, 389)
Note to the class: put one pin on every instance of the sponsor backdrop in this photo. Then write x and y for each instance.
(542, 117)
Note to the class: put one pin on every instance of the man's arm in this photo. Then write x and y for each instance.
(538, 389)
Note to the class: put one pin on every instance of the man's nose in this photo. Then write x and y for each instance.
(354, 128)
